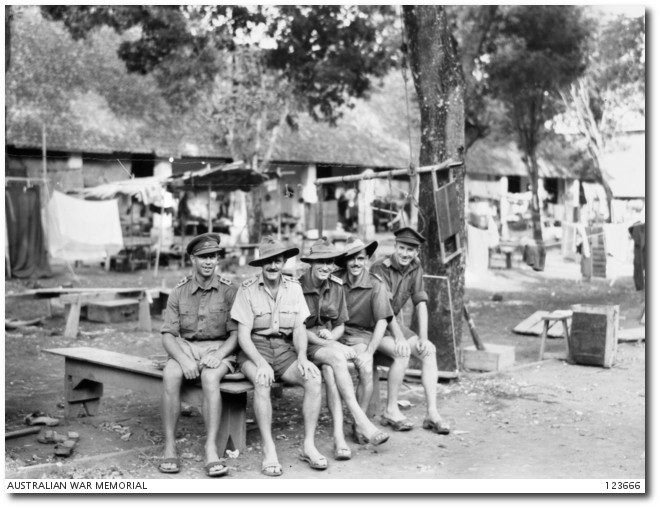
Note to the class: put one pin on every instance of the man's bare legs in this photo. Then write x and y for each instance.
(211, 410)
(394, 378)
(429, 379)
(311, 408)
(171, 407)
(263, 412)
(339, 383)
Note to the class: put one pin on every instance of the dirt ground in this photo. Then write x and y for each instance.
(537, 420)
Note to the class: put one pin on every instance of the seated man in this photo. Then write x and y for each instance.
(270, 310)
(325, 326)
(199, 338)
(369, 312)
(402, 272)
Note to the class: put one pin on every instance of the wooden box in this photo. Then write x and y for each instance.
(495, 357)
(113, 311)
(593, 337)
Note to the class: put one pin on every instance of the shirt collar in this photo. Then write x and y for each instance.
(363, 282)
(196, 285)
(260, 280)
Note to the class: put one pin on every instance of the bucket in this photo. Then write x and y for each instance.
(593, 337)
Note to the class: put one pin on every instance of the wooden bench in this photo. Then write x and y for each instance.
(86, 370)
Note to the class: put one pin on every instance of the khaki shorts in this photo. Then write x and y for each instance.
(279, 353)
(197, 349)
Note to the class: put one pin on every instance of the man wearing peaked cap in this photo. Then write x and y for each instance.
(325, 327)
(206, 243)
(402, 272)
(199, 337)
(409, 236)
(271, 311)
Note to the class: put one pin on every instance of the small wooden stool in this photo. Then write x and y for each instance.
(548, 320)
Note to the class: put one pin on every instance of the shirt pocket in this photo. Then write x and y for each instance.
(262, 319)
(187, 318)
(288, 316)
(218, 320)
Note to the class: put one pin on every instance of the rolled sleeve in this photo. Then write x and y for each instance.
(343, 312)
(418, 293)
(171, 322)
(380, 304)
(303, 310)
(241, 310)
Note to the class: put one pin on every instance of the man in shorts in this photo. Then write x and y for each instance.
(199, 338)
(369, 313)
(271, 311)
(325, 327)
(402, 272)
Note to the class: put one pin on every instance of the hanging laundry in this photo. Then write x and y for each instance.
(83, 230)
(477, 249)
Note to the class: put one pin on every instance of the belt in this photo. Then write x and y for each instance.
(270, 337)
(203, 340)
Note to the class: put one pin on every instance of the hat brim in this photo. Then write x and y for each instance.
(286, 253)
(208, 250)
(312, 258)
(370, 248)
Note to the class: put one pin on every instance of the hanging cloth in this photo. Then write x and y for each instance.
(28, 256)
(83, 230)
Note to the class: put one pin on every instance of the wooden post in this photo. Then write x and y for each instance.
(210, 226)
(319, 211)
(71, 330)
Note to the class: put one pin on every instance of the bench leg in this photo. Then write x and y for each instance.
(232, 434)
(72, 320)
(85, 391)
(566, 332)
(144, 314)
(544, 336)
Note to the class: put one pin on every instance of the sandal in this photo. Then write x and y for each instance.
(343, 454)
(320, 464)
(436, 426)
(398, 425)
(65, 449)
(169, 470)
(375, 439)
(218, 472)
(271, 469)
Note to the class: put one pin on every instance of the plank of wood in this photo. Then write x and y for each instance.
(526, 327)
(631, 334)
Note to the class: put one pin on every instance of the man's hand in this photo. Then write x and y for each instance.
(307, 368)
(265, 375)
(189, 367)
(348, 352)
(425, 347)
(402, 348)
(210, 361)
(363, 359)
(325, 334)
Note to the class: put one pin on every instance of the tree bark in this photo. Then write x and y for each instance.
(438, 79)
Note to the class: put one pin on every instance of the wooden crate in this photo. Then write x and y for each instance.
(593, 338)
(495, 357)
(114, 311)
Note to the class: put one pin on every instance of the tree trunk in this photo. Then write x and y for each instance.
(440, 87)
(537, 228)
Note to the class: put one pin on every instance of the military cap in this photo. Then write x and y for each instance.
(322, 250)
(204, 244)
(355, 245)
(270, 248)
(409, 236)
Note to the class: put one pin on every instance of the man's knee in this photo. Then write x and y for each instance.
(172, 375)
(211, 379)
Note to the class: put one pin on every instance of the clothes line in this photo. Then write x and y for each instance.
(370, 174)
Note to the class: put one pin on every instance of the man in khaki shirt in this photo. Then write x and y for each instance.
(271, 311)
(199, 338)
